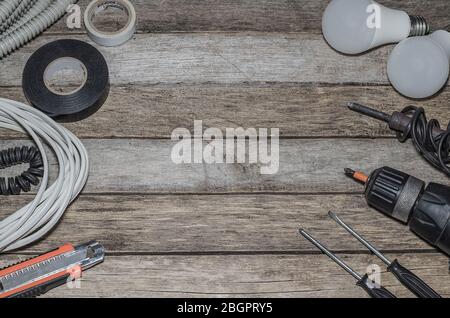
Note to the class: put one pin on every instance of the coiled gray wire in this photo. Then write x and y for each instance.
(23, 20)
(37, 218)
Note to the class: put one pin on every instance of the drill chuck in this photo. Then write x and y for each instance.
(425, 208)
(393, 192)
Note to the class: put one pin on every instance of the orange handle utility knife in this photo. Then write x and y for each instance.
(41, 274)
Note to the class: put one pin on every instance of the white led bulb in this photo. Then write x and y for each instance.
(419, 67)
(356, 26)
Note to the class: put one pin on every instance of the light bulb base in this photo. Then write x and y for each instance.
(419, 26)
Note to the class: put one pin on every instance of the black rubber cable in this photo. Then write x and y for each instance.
(23, 182)
(435, 149)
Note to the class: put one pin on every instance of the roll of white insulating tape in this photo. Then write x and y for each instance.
(110, 38)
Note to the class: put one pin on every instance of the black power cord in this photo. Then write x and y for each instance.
(432, 142)
(434, 147)
(15, 156)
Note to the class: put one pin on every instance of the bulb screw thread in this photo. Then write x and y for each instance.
(419, 26)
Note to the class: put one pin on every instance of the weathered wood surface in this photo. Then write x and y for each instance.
(222, 58)
(225, 230)
(246, 276)
(305, 166)
(298, 111)
(249, 15)
(161, 224)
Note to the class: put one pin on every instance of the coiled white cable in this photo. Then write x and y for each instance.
(37, 218)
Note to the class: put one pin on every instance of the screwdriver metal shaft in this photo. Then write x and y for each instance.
(330, 254)
(372, 289)
(360, 238)
(369, 112)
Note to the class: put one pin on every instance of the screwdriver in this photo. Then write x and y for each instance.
(430, 140)
(398, 121)
(364, 282)
(403, 275)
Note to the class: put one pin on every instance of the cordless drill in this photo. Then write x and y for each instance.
(425, 208)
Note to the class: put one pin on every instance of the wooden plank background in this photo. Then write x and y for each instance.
(226, 230)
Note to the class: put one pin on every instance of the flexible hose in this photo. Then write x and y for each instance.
(23, 7)
(11, 41)
(37, 218)
(7, 7)
(37, 7)
(19, 11)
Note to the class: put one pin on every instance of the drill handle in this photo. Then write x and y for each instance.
(408, 279)
(400, 122)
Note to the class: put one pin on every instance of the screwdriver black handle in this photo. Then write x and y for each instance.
(408, 279)
(373, 291)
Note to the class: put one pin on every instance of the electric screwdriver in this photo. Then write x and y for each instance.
(425, 208)
(430, 140)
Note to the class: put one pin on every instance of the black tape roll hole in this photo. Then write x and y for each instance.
(65, 76)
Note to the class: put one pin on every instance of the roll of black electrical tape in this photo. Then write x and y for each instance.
(58, 56)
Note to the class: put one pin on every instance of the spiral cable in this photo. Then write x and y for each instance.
(435, 149)
(22, 182)
(38, 217)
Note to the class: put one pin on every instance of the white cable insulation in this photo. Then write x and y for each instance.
(37, 218)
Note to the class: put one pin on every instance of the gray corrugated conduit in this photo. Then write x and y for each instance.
(41, 15)
(37, 7)
(16, 14)
(7, 7)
